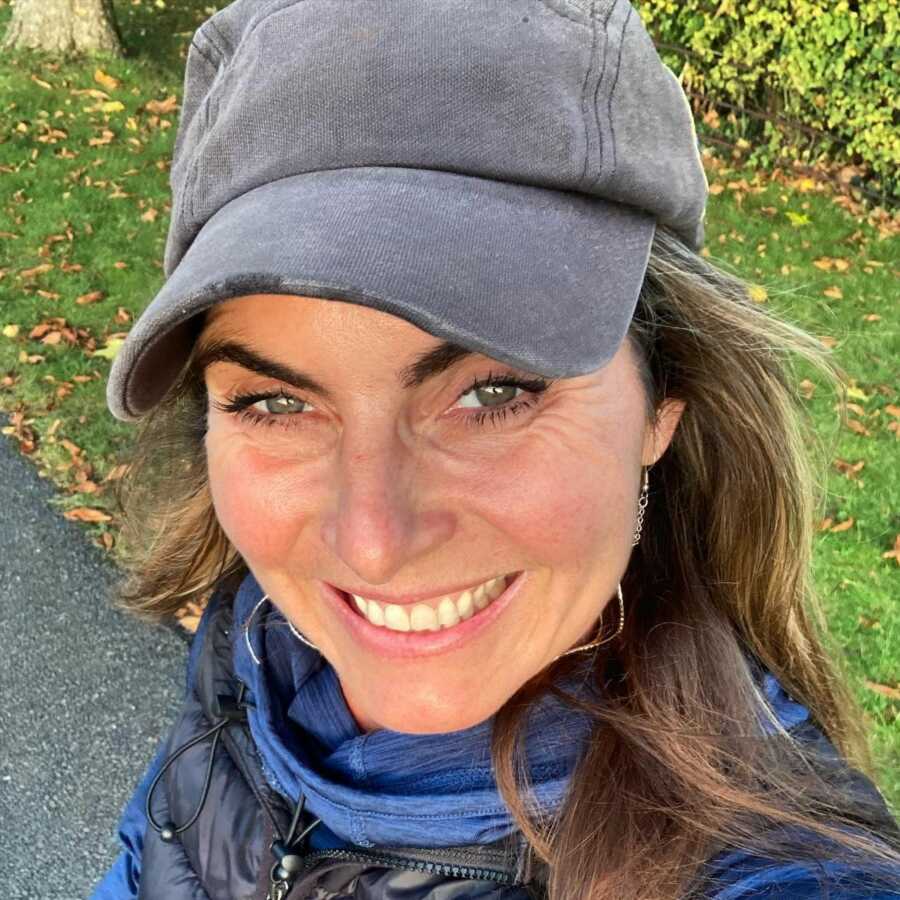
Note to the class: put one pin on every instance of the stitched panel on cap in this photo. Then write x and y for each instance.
(582, 10)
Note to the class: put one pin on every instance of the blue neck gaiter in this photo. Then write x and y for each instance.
(382, 787)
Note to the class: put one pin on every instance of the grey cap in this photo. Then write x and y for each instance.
(492, 171)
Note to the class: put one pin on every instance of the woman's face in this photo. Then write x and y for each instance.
(409, 490)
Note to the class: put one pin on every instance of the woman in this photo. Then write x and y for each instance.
(497, 486)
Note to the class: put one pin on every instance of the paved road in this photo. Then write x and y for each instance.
(86, 692)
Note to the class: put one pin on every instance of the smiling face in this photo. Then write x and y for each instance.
(406, 485)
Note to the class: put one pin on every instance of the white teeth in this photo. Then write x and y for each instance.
(450, 611)
(395, 617)
(447, 613)
(423, 618)
(375, 614)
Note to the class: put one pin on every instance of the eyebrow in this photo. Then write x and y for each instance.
(426, 366)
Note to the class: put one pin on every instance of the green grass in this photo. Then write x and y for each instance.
(99, 198)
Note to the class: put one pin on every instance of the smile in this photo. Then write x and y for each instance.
(432, 615)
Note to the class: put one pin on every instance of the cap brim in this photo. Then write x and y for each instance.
(541, 279)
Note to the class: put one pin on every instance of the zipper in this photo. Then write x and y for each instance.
(282, 876)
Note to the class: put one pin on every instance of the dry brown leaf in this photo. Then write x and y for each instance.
(884, 689)
(850, 470)
(162, 107)
(150, 215)
(37, 270)
(892, 410)
(895, 552)
(834, 293)
(826, 523)
(857, 427)
(846, 525)
(827, 341)
(92, 297)
(106, 137)
(105, 80)
(807, 388)
(87, 514)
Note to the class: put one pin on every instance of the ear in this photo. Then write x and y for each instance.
(658, 434)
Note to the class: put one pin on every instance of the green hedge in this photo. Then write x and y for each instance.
(833, 68)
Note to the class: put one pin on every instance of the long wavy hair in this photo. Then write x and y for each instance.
(678, 766)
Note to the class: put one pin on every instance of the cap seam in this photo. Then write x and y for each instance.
(588, 110)
(612, 124)
(565, 15)
(229, 49)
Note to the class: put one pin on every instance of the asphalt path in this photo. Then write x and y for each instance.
(86, 693)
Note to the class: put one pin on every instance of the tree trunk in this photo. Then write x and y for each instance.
(63, 26)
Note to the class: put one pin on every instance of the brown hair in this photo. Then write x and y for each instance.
(677, 767)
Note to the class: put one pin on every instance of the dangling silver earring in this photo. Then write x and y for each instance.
(246, 629)
(642, 506)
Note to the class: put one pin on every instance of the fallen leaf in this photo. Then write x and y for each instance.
(112, 106)
(113, 345)
(87, 514)
(797, 219)
(150, 215)
(107, 81)
(162, 107)
(884, 689)
(851, 470)
(37, 270)
(895, 552)
(892, 410)
(872, 317)
(834, 292)
(92, 297)
(846, 525)
(10, 331)
(827, 341)
(858, 427)
(758, 294)
(106, 137)
(807, 388)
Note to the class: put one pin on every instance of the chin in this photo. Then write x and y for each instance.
(425, 711)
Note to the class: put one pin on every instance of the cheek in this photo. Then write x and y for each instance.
(261, 502)
(563, 498)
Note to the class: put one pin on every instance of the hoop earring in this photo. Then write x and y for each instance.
(246, 629)
(599, 641)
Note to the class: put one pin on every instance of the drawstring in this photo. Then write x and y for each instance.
(231, 710)
(288, 862)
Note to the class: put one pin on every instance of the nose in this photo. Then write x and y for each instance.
(379, 522)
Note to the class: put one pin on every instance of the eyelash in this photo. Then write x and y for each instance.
(239, 404)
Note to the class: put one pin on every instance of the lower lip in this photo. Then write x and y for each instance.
(410, 644)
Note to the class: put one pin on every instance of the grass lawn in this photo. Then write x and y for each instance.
(84, 153)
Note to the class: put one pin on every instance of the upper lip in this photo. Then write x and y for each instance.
(416, 596)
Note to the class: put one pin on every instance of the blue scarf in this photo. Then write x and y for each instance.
(386, 787)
